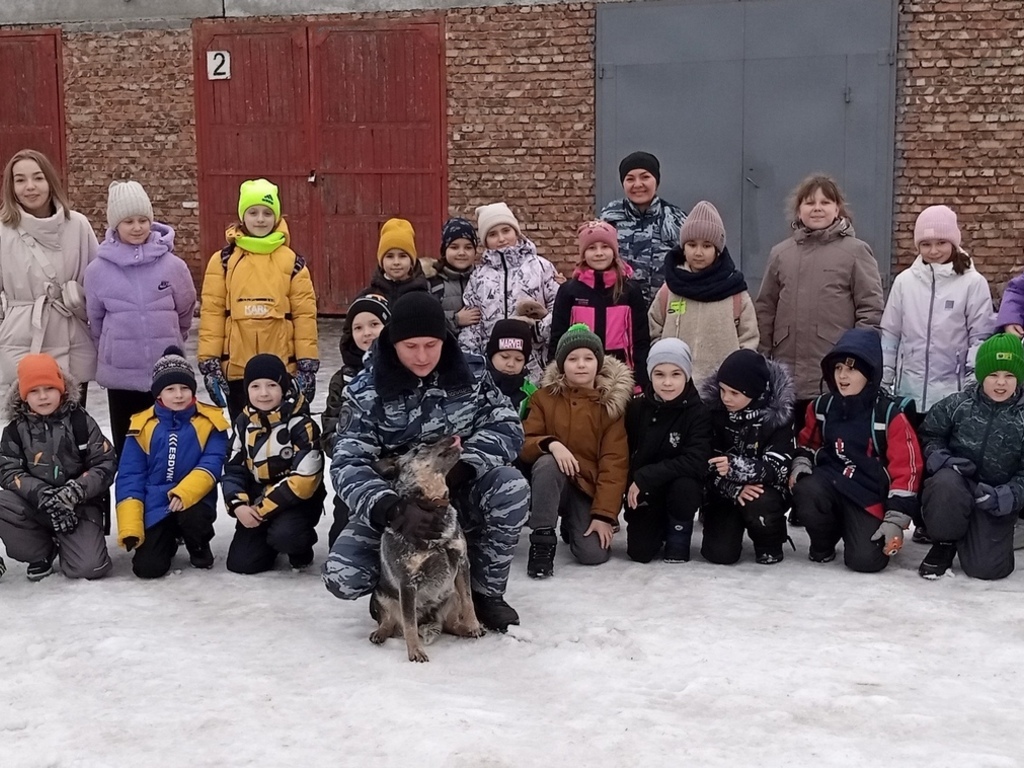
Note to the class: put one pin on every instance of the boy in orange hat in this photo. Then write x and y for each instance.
(55, 469)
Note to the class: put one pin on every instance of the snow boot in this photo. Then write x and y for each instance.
(938, 560)
(821, 556)
(794, 520)
(201, 557)
(541, 563)
(921, 535)
(39, 570)
(493, 612)
(301, 561)
(677, 545)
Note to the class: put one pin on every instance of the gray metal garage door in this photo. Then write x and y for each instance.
(741, 100)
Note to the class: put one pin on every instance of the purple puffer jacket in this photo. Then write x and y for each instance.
(140, 300)
(1011, 308)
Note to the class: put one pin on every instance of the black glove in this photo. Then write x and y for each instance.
(130, 543)
(459, 475)
(60, 503)
(415, 521)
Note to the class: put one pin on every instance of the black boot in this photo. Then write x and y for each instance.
(201, 556)
(794, 520)
(921, 535)
(541, 563)
(938, 560)
(301, 561)
(493, 612)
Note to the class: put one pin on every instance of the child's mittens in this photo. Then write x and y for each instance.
(943, 459)
(995, 500)
(306, 377)
(531, 308)
(215, 380)
(801, 466)
(891, 531)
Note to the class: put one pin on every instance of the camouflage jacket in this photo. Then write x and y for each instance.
(645, 237)
(387, 409)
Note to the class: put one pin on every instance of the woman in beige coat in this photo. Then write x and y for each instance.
(818, 284)
(44, 250)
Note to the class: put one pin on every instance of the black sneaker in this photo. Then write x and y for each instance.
(770, 558)
(39, 570)
(816, 556)
(794, 520)
(921, 535)
(494, 613)
(541, 563)
(201, 557)
(301, 561)
(938, 560)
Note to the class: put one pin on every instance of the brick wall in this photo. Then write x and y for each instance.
(129, 107)
(960, 125)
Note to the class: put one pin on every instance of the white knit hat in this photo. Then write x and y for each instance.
(125, 199)
(490, 216)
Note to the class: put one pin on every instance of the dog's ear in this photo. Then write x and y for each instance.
(386, 467)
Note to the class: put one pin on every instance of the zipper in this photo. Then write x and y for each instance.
(504, 271)
(984, 440)
(928, 343)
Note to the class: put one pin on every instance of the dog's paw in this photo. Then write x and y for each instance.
(474, 630)
(429, 632)
(417, 654)
(377, 637)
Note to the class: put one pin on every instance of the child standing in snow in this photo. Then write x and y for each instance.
(858, 466)
(704, 300)
(669, 431)
(576, 442)
(139, 298)
(168, 474)
(257, 298)
(449, 275)
(511, 280)
(603, 296)
(398, 268)
(273, 480)
(751, 404)
(366, 318)
(974, 446)
(55, 469)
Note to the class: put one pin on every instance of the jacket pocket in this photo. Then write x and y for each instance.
(781, 334)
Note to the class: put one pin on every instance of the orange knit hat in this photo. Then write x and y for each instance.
(38, 371)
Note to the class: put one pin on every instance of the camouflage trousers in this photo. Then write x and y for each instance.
(492, 511)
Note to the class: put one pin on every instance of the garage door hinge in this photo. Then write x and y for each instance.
(846, 94)
(600, 73)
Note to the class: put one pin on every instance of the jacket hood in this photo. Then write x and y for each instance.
(379, 283)
(614, 384)
(588, 276)
(512, 256)
(14, 406)
(627, 211)
(778, 402)
(392, 379)
(942, 271)
(115, 250)
(865, 345)
(841, 227)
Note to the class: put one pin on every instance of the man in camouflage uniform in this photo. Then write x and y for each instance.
(648, 226)
(419, 387)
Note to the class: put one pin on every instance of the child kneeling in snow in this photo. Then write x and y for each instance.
(167, 478)
(751, 403)
(55, 469)
(576, 442)
(858, 466)
(974, 444)
(274, 478)
(507, 351)
(670, 433)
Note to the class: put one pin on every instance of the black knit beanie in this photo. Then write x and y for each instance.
(745, 371)
(642, 160)
(415, 314)
(172, 368)
(266, 367)
(510, 335)
(454, 229)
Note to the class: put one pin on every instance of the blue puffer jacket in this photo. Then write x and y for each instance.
(168, 452)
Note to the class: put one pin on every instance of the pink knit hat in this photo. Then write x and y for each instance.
(703, 223)
(597, 232)
(937, 222)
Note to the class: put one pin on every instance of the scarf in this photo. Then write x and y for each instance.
(719, 281)
(262, 245)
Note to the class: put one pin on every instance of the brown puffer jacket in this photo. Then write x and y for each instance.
(589, 422)
(817, 285)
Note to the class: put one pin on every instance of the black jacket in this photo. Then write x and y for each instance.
(668, 440)
(391, 290)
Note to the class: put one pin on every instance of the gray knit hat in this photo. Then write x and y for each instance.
(124, 199)
(670, 350)
(703, 223)
(172, 368)
(578, 336)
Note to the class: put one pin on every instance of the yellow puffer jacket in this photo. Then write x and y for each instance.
(257, 303)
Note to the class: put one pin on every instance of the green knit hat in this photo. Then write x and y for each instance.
(578, 336)
(258, 192)
(1002, 352)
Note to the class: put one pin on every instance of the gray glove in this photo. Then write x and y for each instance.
(995, 500)
(943, 459)
(891, 531)
(61, 505)
(305, 377)
(801, 466)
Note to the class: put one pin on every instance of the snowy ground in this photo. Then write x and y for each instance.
(625, 665)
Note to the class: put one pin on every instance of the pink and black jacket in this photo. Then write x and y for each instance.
(621, 325)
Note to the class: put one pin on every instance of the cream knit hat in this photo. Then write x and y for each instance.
(490, 216)
(124, 199)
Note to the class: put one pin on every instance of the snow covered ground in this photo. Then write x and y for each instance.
(624, 665)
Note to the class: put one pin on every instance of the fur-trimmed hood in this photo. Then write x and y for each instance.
(14, 407)
(614, 384)
(777, 403)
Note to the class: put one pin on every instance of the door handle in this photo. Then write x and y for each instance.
(756, 185)
(312, 176)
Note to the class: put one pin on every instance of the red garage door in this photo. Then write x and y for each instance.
(348, 120)
(32, 116)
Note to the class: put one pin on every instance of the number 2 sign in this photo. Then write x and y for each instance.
(218, 65)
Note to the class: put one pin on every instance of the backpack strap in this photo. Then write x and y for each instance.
(80, 433)
(887, 408)
(737, 308)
